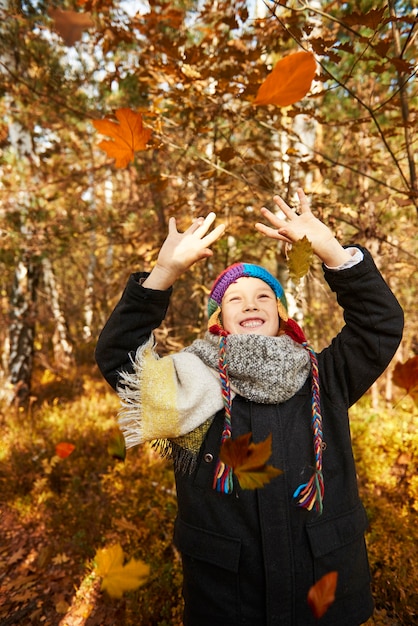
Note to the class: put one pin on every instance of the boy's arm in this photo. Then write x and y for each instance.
(363, 349)
(145, 299)
(137, 314)
(373, 318)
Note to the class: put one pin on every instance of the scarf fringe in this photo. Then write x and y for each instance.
(184, 460)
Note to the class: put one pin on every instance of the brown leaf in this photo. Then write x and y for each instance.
(371, 19)
(299, 259)
(322, 594)
(248, 461)
(289, 81)
(405, 375)
(128, 136)
(70, 24)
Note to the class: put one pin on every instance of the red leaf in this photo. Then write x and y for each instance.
(322, 594)
(289, 81)
(64, 449)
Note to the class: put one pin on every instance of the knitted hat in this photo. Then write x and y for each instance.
(309, 495)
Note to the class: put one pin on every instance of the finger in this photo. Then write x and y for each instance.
(197, 223)
(267, 230)
(214, 235)
(304, 204)
(271, 217)
(172, 226)
(273, 233)
(290, 213)
(206, 224)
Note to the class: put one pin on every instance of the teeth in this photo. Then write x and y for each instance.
(251, 323)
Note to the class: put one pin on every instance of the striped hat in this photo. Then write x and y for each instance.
(308, 495)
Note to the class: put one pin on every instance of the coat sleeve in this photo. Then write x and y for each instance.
(137, 314)
(373, 328)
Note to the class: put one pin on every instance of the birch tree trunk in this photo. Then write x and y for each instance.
(22, 331)
(63, 350)
(26, 275)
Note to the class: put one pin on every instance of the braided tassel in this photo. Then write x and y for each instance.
(223, 480)
(310, 495)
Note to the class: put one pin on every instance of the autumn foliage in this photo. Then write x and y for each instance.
(113, 121)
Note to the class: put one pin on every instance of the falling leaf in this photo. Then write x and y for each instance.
(405, 375)
(128, 136)
(64, 449)
(116, 447)
(299, 259)
(70, 24)
(289, 81)
(117, 577)
(248, 461)
(322, 594)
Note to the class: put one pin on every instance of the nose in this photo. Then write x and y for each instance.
(250, 306)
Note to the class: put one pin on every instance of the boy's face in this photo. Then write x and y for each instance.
(249, 306)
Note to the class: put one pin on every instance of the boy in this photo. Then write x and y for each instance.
(250, 556)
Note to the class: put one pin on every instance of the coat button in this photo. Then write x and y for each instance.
(208, 457)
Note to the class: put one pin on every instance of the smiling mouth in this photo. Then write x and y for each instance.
(254, 323)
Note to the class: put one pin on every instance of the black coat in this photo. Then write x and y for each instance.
(251, 557)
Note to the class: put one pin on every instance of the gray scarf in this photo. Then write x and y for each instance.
(268, 370)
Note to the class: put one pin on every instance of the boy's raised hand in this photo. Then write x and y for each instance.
(181, 250)
(295, 227)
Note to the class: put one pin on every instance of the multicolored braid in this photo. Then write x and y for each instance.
(223, 478)
(309, 495)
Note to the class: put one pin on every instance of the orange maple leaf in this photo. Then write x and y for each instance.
(289, 81)
(322, 594)
(405, 375)
(128, 136)
(248, 461)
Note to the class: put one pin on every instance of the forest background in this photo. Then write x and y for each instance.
(74, 224)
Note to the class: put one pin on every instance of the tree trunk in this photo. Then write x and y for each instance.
(63, 350)
(22, 331)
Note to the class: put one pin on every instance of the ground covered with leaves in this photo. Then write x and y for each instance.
(58, 510)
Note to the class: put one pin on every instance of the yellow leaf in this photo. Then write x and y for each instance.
(289, 81)
(299, 259)
(117, 577)
(127, 137)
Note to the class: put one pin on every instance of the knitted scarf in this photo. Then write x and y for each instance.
(172, 400)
